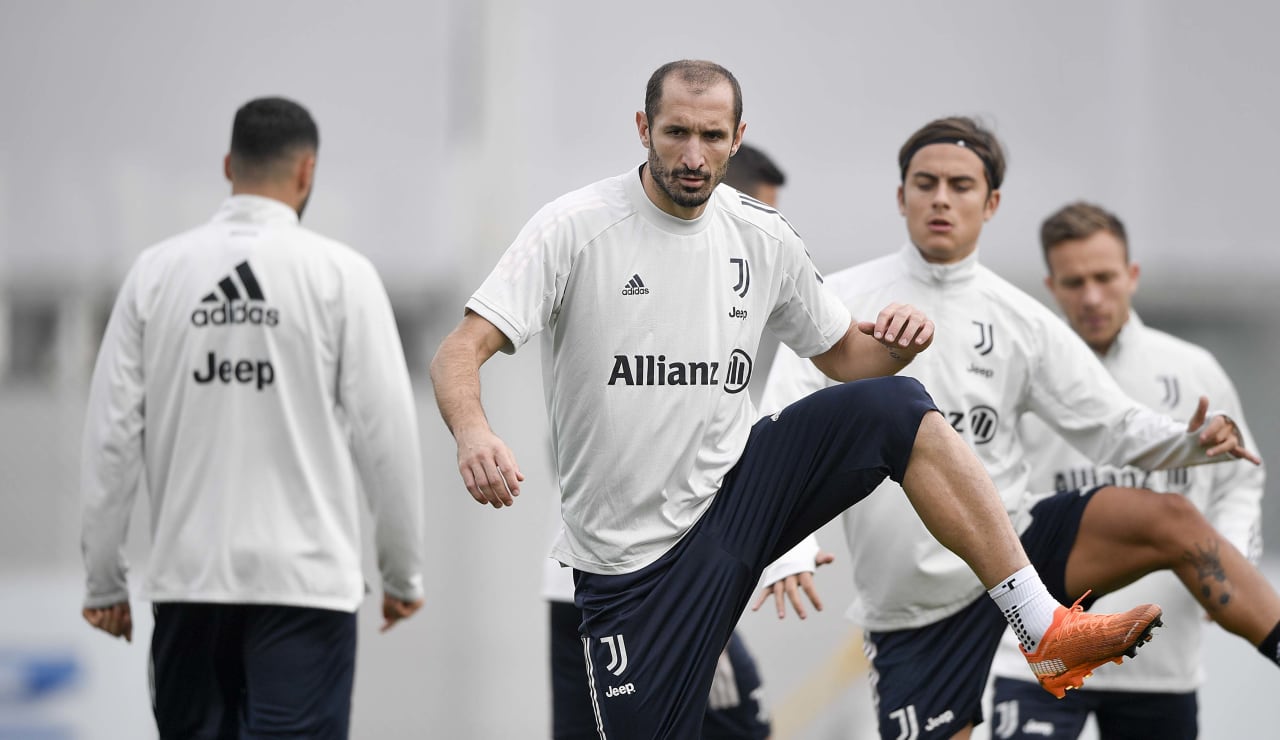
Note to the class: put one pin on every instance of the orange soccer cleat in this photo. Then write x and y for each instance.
(1078, 642)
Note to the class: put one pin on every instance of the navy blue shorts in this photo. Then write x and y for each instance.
(736, 710)
(1024, 710)
(928, 682)
(251, 671)
(652, 637)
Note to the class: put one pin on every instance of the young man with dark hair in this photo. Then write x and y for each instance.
(654, 288)
(252, 373)
(1093, 280)
(930, 633)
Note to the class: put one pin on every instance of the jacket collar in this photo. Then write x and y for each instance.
(932, 273)
(255, 209)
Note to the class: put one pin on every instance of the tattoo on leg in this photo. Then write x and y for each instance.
(1209, 570)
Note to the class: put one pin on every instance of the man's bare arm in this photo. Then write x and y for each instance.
(487, 466)
(875, 349)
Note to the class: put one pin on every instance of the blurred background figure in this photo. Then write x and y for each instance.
(251, 374)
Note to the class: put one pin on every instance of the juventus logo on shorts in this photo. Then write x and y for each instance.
(617, 654)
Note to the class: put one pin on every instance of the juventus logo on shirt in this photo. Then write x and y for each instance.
(744, 276)
(986, 338)
(1171, 392)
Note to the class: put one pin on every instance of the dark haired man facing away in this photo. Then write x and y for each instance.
(252, 373)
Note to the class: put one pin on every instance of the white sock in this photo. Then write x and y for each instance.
(1027, 606)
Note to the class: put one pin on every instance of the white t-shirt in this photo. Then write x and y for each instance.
(1168, 374)
(652, 326)
(997, 354)
(252, 372)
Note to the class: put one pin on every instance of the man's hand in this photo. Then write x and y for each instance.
(488, 468)
(1220, 435)
(116, 620)
(904, 329)
(789, 588)
(394, 610)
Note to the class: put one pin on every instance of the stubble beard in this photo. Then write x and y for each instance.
(666, 181)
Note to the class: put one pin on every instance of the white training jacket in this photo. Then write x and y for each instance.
(1168, 374)
(251, 373)
(998, 353)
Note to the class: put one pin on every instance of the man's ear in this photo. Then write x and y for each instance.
(226, 167)
(993, 202)
(306, 172)
(642, 128)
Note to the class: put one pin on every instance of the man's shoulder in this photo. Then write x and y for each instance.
(752, 213)
(1004, 296)
(878, 274)
(319, 245)
(1170, 348)
(605, 198)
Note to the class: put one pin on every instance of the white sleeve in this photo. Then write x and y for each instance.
(526, 287)
(803, 558)
(808, 317)
(377, 398)
(1235, 504)
(1073, 393)
(111, 452)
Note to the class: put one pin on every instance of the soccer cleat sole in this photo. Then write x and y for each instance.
(1143, 638)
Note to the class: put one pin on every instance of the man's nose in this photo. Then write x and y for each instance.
(692, 156)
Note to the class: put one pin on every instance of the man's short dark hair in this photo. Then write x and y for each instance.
(1080, 220)
(267, 132)
(750, 168)
(965, 132)
(693, 72)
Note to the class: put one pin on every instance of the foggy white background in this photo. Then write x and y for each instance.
(444, 125)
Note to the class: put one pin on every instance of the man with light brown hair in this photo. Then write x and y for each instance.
(1093, 279)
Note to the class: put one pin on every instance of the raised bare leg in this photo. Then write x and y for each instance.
(1126, 533)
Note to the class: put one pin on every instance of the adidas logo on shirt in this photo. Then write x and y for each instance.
(228, 305)
(635, 286)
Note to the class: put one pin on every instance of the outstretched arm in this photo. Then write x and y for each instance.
(872, 349)
(487, 466)
(1220, 435)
